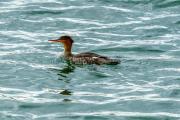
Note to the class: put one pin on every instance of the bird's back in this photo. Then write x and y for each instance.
(92, 58)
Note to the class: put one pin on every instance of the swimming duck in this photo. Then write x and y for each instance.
(82, 58)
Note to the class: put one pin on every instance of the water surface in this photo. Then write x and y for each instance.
(36, 84)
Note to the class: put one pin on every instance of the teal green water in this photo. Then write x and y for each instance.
(36, 84)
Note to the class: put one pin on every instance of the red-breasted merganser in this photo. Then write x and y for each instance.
(82, 58)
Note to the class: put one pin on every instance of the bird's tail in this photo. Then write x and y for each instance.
(108, 61)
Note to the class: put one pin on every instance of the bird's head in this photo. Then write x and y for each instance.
(66, 40)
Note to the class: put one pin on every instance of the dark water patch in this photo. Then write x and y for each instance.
(66, 100)
(175, 93)
(99, 74)
(177, 79)
(178, 22)
(42, 12)
(2, 2)
(95, 118)
(29, 106)
(136, 2)
(165, 4)
(103, 1)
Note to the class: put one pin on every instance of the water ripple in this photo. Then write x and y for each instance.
(150, 27)
(109, 113)
(118, 9)
(37, 83)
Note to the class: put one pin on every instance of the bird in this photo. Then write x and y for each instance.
(85, 57)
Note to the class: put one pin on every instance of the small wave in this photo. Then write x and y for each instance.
(118, 9)
(112, 34)
(5, 114)
(169, 69)
(110, 114)
(2, 22)
(25, 95)
(150, 27)
(114, 25)
(68, 8)
(21, 34)
(33, 65)
(98, 41)
(81, 21)
(160, 16)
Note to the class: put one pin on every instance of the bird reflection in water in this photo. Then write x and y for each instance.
(65, 92)
(63, 74)
(65, 71)
(69, 68)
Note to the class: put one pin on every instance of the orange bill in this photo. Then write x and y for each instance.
(55, 40)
